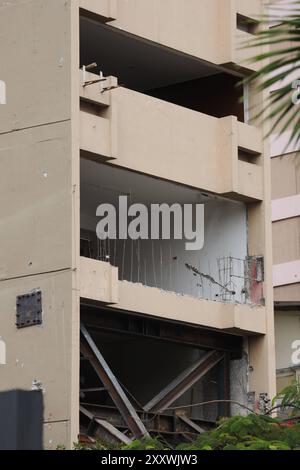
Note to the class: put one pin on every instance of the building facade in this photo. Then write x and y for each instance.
(286, 234)
(286, 256)
(136, 98)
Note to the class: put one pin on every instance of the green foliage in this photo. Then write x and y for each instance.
(292, 436)
(81, 446)
(289, 398)
(280, 59)
(97, 445)
(252, 432)
(145, 444)
(60, 447)
(259, 444)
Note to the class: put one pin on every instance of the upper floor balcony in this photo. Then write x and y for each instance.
(173, 115)
(149, 135)
(212, 30)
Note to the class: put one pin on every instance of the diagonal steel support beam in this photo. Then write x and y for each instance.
(191, 424)
(106, 426)
(184, 382)
(92, 353)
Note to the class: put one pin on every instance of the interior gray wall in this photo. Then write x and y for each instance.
(162, 263)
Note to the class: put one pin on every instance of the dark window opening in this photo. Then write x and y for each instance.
(248, 25)
(248, 157)
(218, 95)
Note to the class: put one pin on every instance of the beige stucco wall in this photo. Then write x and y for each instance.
(39, 192)
(41, 353)
(35, 62)
(241, 319)
(286, 240)
(287, 328)
(261, 349)
(285, 176)
(36, 200)
(252, 8)
(152, 136)
(290, 293)
(285, 184)
(286, 232)
(98, 281)
(104, 8)
(204, 29)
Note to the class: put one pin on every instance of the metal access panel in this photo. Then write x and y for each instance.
(21, 423)
(29, 309)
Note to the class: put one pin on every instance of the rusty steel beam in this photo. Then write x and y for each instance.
(91, 351)
(162, 423)
(114, 432)
(184, 382)
(106, 426)
(191, 424)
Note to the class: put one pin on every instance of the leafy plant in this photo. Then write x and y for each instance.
(145, 444)
(289, 398)
(60, 447)
(252, 432)
(281, 61)
(98, 444)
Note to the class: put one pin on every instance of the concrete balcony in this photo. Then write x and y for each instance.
(99, 283)
(155, 137)
(223, 316)
(243, 51)
(250, 181)
(203, 29)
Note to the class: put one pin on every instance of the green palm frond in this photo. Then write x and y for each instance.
(280, 58)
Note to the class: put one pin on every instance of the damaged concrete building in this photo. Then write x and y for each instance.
(142, 98)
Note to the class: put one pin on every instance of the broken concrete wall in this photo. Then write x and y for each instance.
(239, 385)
